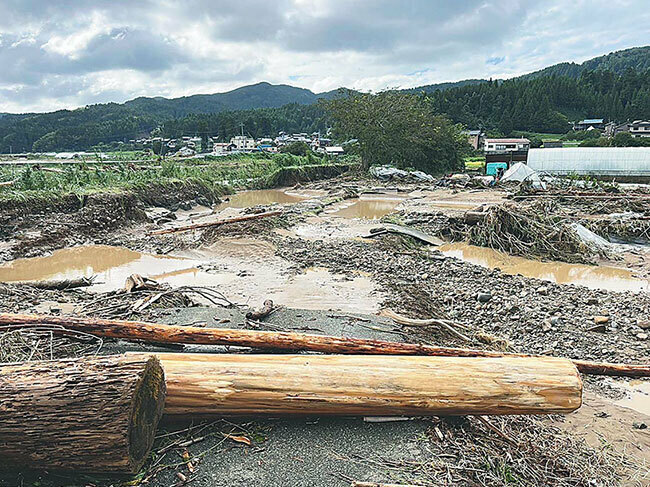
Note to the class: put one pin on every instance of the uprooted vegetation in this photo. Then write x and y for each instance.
(537, 230)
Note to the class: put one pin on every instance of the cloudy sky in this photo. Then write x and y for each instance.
(69, 53)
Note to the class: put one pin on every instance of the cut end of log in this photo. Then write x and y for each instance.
(147, 408)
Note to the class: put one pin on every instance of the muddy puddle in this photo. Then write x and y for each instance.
(247, 199)
(247, 271)
(594, 277)
(637, 397)
(319, 228)
(366, 207)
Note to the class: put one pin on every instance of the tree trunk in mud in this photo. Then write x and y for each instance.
(197, 226)
(92, 414)
(276, 340)
(237, 384)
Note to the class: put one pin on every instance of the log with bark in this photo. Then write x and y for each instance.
(59, 284)
(277, 340)
(197, 226)
(200, 385)
(92, 414)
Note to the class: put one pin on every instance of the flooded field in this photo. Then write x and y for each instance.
(594, 277)
(366, 207)
(246, 199)
(244, 269)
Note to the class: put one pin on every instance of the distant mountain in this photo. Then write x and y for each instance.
(635, 58)
(259, 95)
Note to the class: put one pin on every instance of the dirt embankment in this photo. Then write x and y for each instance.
(34, 227)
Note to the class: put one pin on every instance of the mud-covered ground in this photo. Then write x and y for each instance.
(324, 235)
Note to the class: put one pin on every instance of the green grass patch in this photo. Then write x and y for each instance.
(82, 179)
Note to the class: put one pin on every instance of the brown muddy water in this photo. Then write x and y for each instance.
(367, 207)
(637, 397)
(245, 270)
(246, 199)
(594, 277)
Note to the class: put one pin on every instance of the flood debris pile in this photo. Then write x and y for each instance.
(534, 230)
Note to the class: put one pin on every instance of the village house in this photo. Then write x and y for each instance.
(639, 128)
(589, 124)
(476, 138)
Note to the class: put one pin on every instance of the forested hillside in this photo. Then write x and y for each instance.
(636, 58)
(547, 104)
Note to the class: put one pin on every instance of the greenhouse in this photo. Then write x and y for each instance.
(610, 162)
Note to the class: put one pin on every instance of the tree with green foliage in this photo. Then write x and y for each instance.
(399, 129)
(296, 148)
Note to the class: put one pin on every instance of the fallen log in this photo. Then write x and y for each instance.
(92, 414)
(59, 284)
(474, 217)
(200, 385)
(7, 183)
(277, 340)
(216, 223)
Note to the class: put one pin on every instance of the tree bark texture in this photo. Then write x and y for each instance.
(96, 414)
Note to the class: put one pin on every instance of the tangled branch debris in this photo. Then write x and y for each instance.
(536, 230)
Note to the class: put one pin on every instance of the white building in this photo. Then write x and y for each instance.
(506, 145)
(639, 128)
(243, 143)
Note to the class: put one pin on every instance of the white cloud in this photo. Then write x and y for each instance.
(67, 54)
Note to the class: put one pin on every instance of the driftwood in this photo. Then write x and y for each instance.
(474, 217)
(261, 313)
(200, 385)
(59, 284)
(7, 183)
(91, 414)
(450, 326)
(276, 340)
(217, 223)
(402, 230)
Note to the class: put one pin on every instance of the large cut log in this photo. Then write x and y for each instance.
(252, 384)
(277, 340)
(217, 223)
(91, 414)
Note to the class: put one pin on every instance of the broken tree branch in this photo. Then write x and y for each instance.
(278, 340)
(217, 223)
(261, 313)
(447, 325)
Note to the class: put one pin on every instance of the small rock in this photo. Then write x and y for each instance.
(556, 320)
(483, 297)
(642, 336)
(546, 326)
(592, 301)
(602, 414)
(639, 425)
(600, 328)
(644, 325)
(543, 290)
(601, 320)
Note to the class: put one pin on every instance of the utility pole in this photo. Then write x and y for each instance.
(241, 125)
